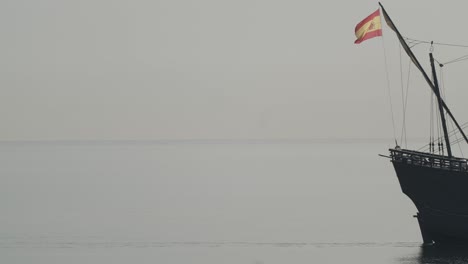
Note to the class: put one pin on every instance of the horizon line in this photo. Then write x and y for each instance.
(208, 140)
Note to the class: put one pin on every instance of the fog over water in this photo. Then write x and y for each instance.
(205, 203)
(315, 192)
(90, 195)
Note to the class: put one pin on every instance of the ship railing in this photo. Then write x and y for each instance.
(428, 160)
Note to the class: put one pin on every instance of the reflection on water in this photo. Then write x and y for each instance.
(439, 255)
(102, 250)
(447, 254)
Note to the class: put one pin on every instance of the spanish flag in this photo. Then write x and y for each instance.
(368, 28)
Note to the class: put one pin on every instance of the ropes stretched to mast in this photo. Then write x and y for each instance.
(416, 42)
(432, 85)
(451, 133)
(413, 42)
(440, 144)
(442, 108)
(431, 124)
(444, 94)
(388, 90)
(435, 123)
(404, 100)
(457, 140)
(462, 58)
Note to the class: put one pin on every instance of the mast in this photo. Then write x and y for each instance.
(441, 108)
(418, 65)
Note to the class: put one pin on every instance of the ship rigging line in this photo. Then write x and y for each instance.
(451, 133)
(440, 146)
(404, 100)
(411, 40)
(410, 53)
(431, 124)
(457, 140)
(462, 58)
(388, 90)
(444, 93)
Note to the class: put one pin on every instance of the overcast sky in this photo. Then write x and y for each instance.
(210, 69)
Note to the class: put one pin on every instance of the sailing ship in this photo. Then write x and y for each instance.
(437, 183)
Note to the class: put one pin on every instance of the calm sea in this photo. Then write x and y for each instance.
(206, 203)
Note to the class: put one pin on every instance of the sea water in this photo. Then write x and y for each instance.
(207, 202)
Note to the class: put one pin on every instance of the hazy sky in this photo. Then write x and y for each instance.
(210, 69)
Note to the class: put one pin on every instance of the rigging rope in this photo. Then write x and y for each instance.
(403, 130)
(462, 58)
(451, 133)
(444, 94)
(457, 140)
(411, 40)
(440, 146)
(388, 89)
(431, 124)
(440, 132)
(404, 99)
(435, 120)
(438, 125)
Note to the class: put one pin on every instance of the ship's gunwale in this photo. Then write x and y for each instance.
(431, 160)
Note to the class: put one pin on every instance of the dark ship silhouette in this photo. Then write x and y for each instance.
(436, 183)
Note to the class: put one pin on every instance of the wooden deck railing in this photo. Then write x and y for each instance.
(428, 160)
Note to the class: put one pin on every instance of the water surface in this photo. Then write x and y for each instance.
(206, 202)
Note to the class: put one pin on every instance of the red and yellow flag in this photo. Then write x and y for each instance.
(368, 28)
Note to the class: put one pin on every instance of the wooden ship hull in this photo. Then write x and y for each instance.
(437, 185)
